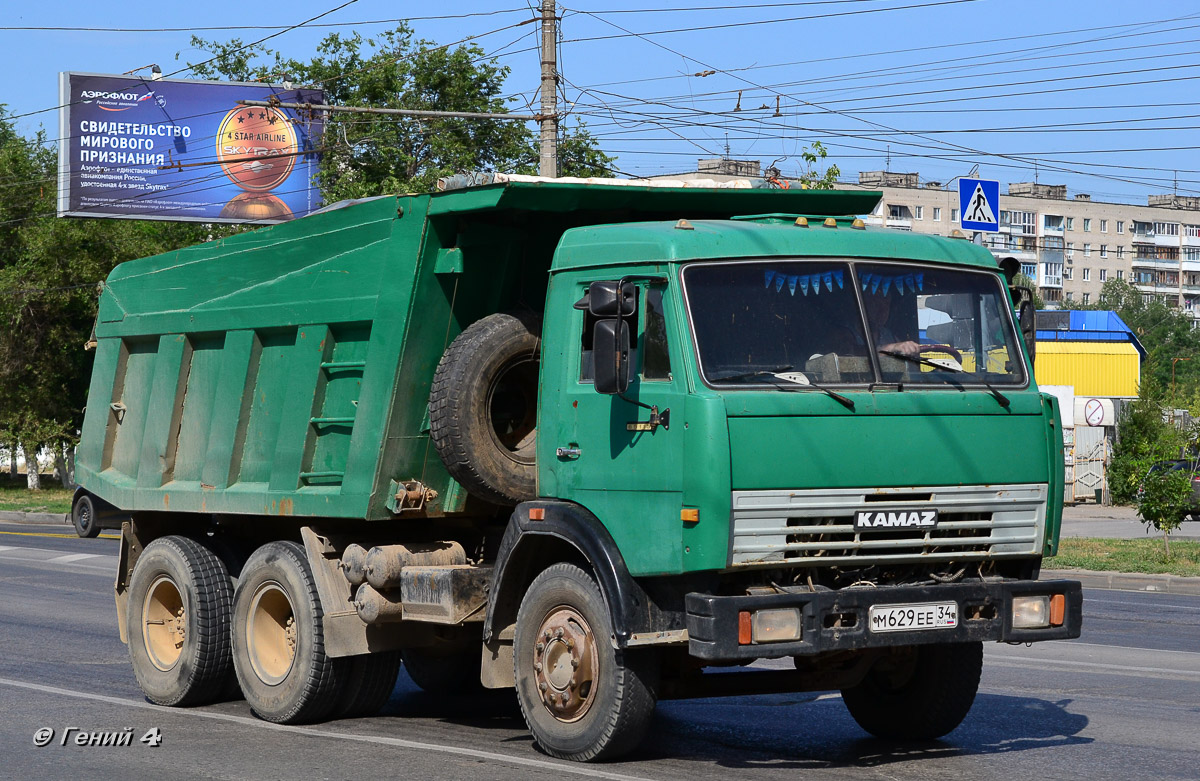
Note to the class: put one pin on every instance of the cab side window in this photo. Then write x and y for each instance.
(656, 358)
(586, 362)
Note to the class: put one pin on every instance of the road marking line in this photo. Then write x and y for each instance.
(72, 557)
(1112, 669)
(1146, 604)
(541, 764)
(60, 536)
(8, 547)
(1077, 644)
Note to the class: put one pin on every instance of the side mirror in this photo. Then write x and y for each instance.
(603, 301)
(610, 351)
(1027, 317)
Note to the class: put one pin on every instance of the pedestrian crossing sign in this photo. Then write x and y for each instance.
(979, 204)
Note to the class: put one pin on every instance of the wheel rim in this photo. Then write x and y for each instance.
(565, 664)
(512, 409)
(164, 623)
(85, 515)
(271, 633)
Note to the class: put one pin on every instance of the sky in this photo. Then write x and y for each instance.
(1093, 94)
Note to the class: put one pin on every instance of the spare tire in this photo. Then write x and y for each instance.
(483, 407)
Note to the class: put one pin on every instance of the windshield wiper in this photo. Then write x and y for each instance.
(791, 385)
(753, 374)
(1000, 397)
(802, 381)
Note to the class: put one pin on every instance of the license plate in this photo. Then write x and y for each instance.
(866, 520)
(906, 618)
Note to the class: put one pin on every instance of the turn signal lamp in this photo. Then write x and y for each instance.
(689, 515)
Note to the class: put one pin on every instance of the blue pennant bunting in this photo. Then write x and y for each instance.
(768, 276)
(779, 280)
(839, 275)
(792, 280)
(865, 277)
(920, 281)
(804, 284)
(887, 281)
(874, 283)
(829, 281)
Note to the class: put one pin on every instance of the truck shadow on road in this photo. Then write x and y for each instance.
(802, 731)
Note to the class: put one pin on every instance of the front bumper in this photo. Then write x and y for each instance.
(837, 620)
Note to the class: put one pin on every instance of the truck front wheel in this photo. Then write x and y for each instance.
(177, 623)
(917, 692)
(582, 698)
(278, 639)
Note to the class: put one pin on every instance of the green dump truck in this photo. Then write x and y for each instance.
(601, 443)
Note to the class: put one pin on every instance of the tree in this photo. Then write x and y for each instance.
(49, 275)
(1020, 280)
(1166, 332)
(1147, 442)
(368, 155)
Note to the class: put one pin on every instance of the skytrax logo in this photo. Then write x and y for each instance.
(895, 519)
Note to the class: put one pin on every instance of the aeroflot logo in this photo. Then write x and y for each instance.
(124, 100)
(895, 519)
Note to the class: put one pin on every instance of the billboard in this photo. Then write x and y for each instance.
(172, 149)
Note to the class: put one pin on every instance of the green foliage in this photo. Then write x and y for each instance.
(1165, 331)
(1020, 280)
(49, 269)
(1143, 555)
(371, 154)
(1147, 439)
(812, 178)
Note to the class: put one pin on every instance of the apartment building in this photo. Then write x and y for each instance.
(1070, 246)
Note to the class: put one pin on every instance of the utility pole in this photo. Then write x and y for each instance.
(548, 161)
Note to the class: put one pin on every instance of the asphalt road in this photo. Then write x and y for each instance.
(1122, 702)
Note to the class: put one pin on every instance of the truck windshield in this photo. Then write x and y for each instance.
(837, 322)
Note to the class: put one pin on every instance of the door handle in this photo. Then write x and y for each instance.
(568, 452)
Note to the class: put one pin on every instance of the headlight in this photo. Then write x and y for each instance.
(1031, 612)
(775, 626)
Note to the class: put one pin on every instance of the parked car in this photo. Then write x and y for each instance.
(1192, 511)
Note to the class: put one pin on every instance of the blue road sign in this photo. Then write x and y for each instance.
(979, 204)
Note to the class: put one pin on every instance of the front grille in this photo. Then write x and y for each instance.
(817, 527)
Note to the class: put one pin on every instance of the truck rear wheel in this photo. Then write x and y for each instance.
(369, 684)
(449, 672)
(483, 407)
(917, 692)
(177, 622)
(278, 638)
(582, 698)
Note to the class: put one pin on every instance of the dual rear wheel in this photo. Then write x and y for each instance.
(194, 638)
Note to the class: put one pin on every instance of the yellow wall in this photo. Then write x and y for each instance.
(1094, 368)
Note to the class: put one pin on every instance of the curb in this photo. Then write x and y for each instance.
(1127, 581)
(35, 518)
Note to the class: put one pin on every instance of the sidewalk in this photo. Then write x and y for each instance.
(1116, 523)
(34, 518)
(1085, 520)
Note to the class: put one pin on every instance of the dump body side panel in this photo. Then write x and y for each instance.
(252, 374)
